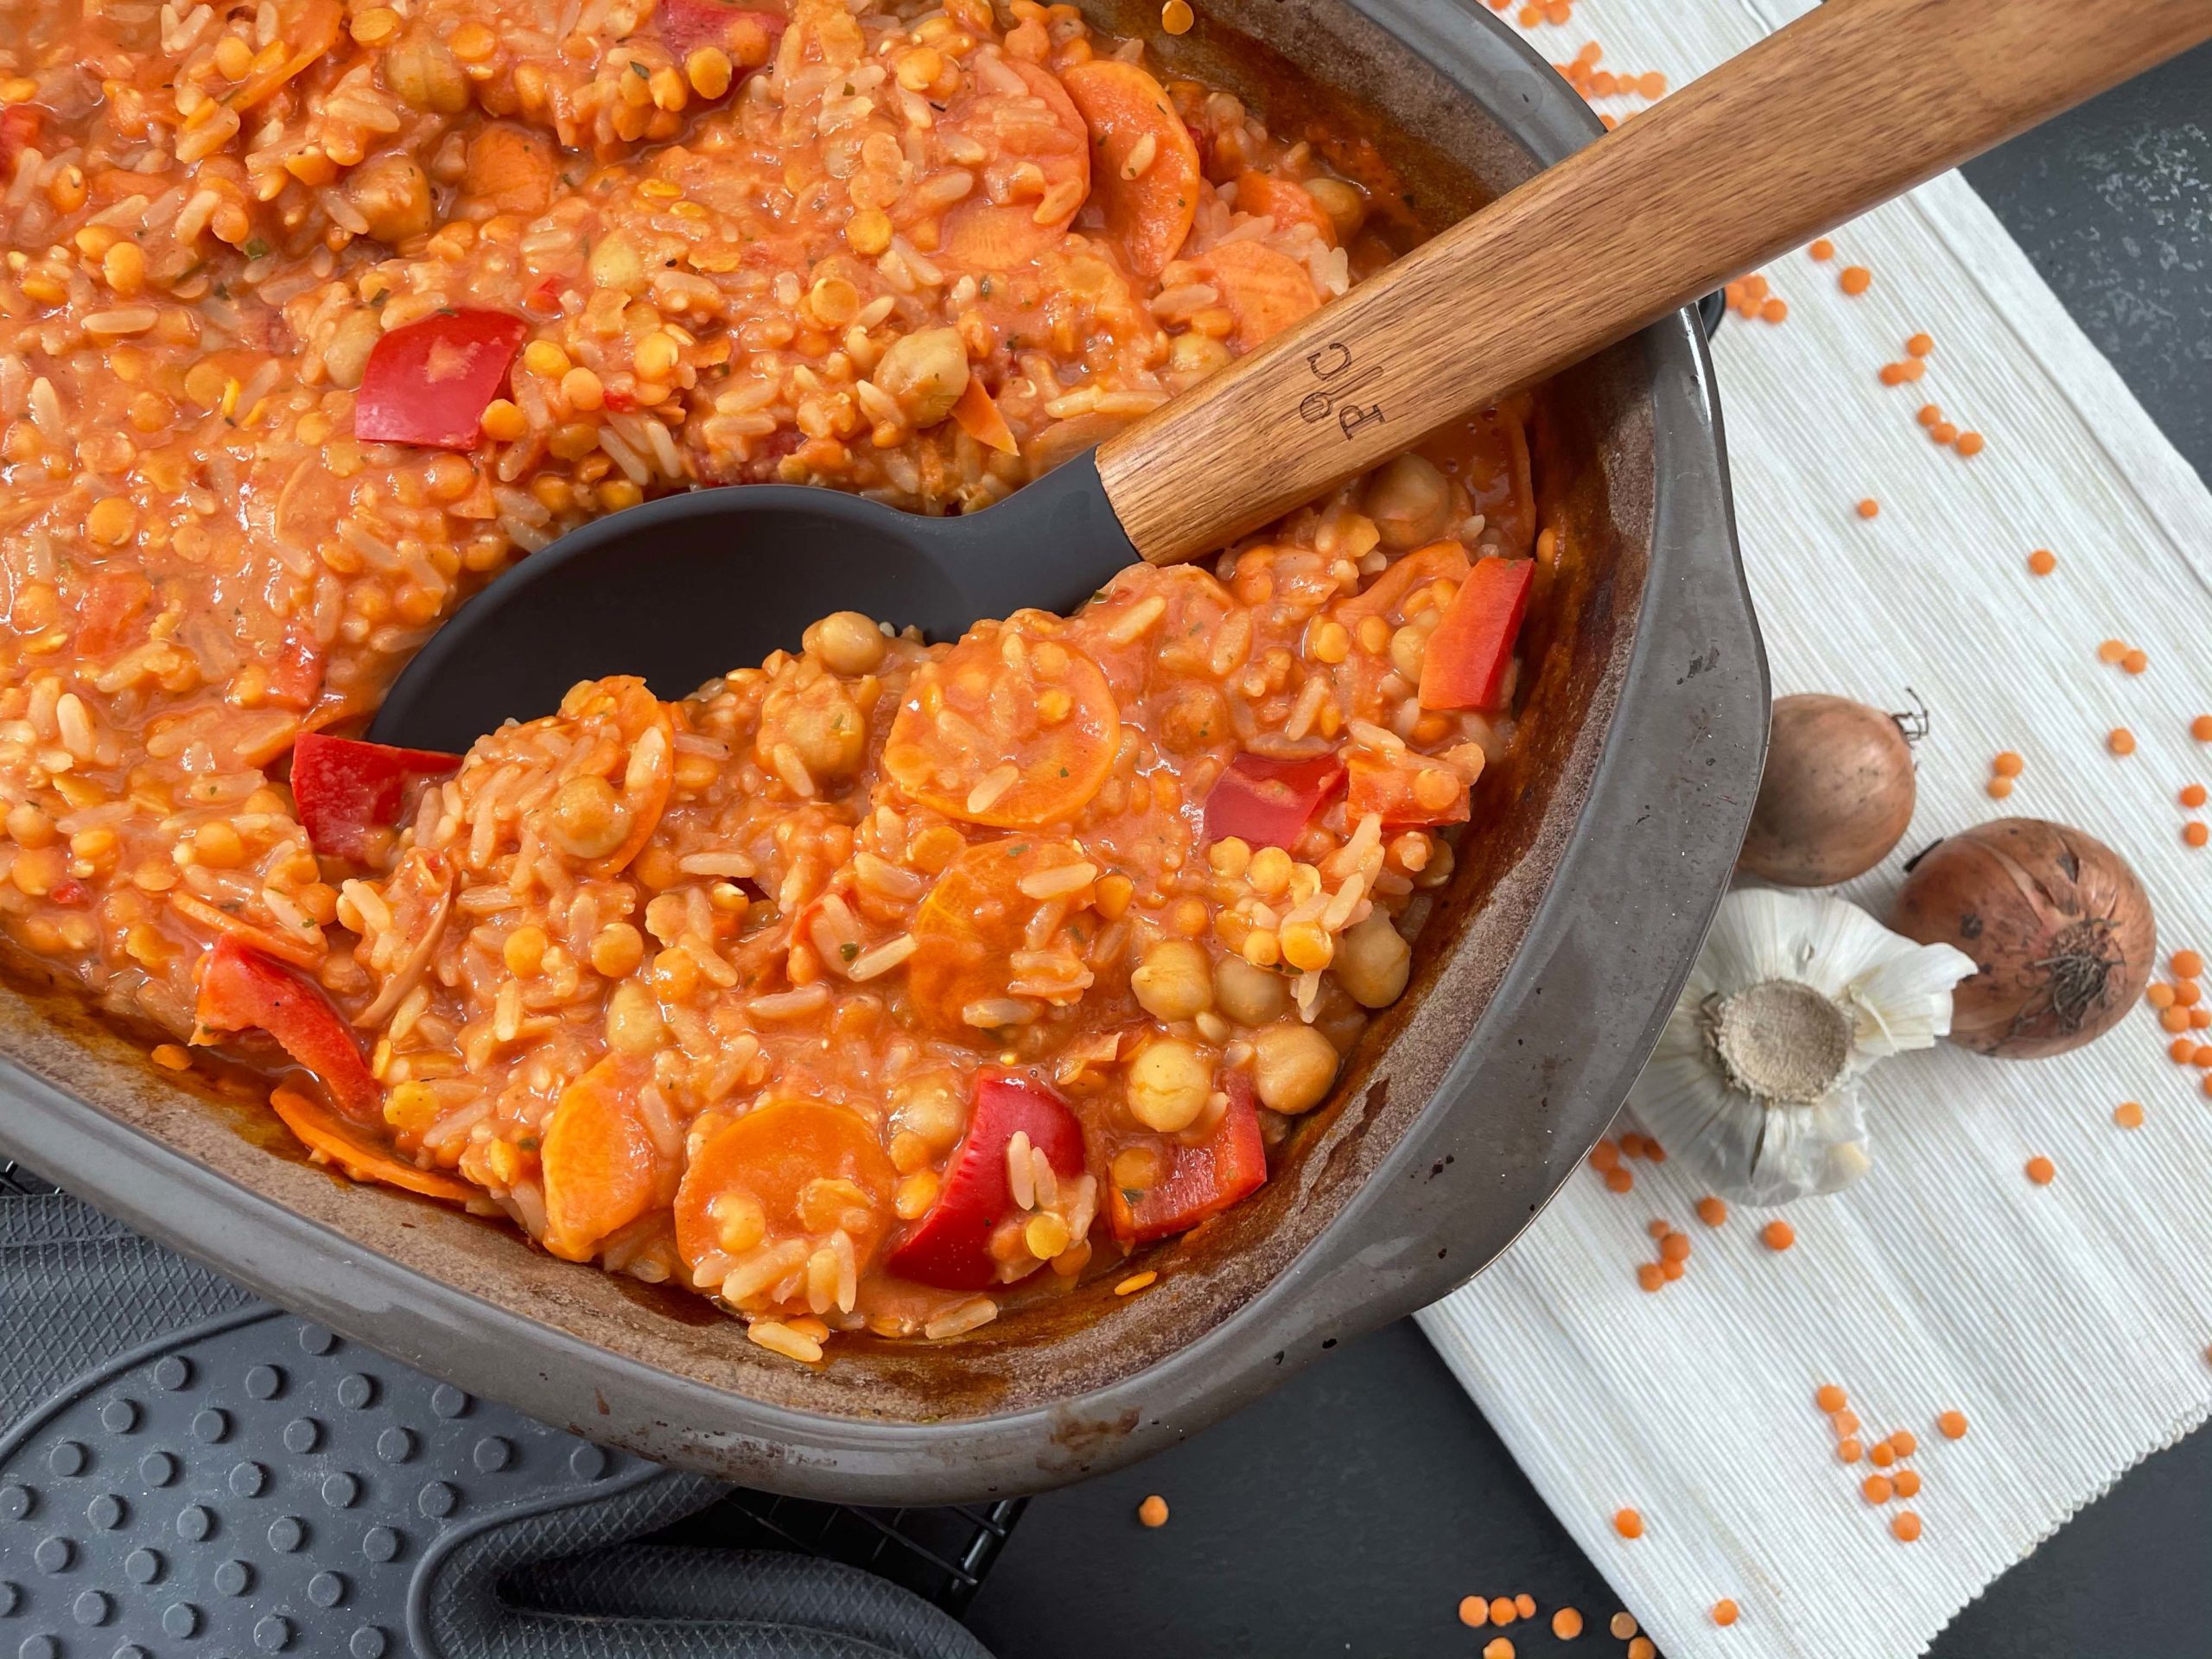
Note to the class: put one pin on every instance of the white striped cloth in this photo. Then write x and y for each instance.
(2069, 1322)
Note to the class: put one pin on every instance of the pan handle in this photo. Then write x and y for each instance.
(554, 1582)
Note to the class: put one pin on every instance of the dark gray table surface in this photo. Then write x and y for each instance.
(1347, 1513)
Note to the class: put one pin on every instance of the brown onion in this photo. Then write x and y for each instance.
(2055, 922)
(1837, 794)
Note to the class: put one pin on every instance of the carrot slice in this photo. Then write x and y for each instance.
(1264, 290)
(311, 29)
(303, 951)
(624, 709)
(977, 414)
(1133, 126)
(601, 1166)
(970, 925)
(1444, 561)
(319, 1129)
(1285, 202)
(1037, 128)
(1008, 730)
(511, 170)
(771, 1156)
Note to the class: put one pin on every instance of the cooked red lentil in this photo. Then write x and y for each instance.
(859, 986)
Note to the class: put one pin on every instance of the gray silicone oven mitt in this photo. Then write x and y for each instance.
(188, 1472)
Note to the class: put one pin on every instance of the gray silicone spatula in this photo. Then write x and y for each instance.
(1850, 104)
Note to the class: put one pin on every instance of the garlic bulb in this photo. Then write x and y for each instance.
(1755, 1081)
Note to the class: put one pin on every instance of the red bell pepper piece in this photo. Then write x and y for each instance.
(1389, 790)
(345, 788)
(240, 989)
(20, 124)
(1471, 648)
(1203, 1180)
(429, 381)
(1268, 802)
(295, 676)
(950, 1247)
(113, 604)
(687, 25)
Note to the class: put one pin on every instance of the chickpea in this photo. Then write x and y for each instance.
(1344, 202)
(931, 1108)
(925, 374)
(1196, 718)
(345, 358)
(1372, 961)
(1250, 996)
(1410, 501)
(589, 820)
(393, 193)
(824, 725)
(633, 1025)
(847, 644)
(1293, 1065)
(1174, 981)
(1170, 1082)
(427, 75)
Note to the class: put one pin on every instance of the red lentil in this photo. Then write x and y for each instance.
(1628, 1523)
(1497, 1647)
(1907, 1482)
(1820, 248)
(2186, 964)
(1176, 17)
(1650, 1275)
(1844, 1423)
(2159, 995)
(1920, 344)
(1952, 1425)
(2128, 1115)
(2192, 795)
(1943, 432)
(1503, 1610)
(1876, 1489)
(1998, 788)
(1641, 1648)
(1619, 1180)
(2201, 729)
(1904, 1443)
(1855, 280)
(1153, 1512)
(1775, 310)
(2007, 764)
(1905, 1525)
(2135, 661)
(1971, 444)
(1474, 1612)
(1567, 1623)
(1930, 414)
(1712, 1210)
(2043, 562)
(2120, 740)
(2195, 834)
(1726, 1612)
(1623, 1625)
(1525, 1605)
(1849, 1451)
(1869, 508)
(1830, 1398)
(1779, 1234)
(2111, 651)
(2042, 1171)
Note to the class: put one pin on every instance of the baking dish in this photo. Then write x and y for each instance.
(1608, 836)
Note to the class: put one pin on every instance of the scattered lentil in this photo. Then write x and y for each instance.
(1153, 1512)
(1971, 444)
(1820, 248)
(2041, 1170)
(1712, 1210)
(2120, 740)
(1905, 1525)
(2043, 562)
(1920, 344)
(1567, 1623)
(1830, 1398)
(2128, 1115)
(1641, 1648)
(1497, 1647)
(1869, 508)
(1177, 17)
(1623, 1625)
(2192, 795)
(1474, 1612)
(1525, 1605)
(1726, 1612)
(1855, 280)
(1502, 1610)
(1628, 1523)
(1876, 1489)
(1779, 1234)
(1907, 1482)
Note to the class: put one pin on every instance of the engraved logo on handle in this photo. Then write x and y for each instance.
(1342, 382)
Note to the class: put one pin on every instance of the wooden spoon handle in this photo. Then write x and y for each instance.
(1851, 103)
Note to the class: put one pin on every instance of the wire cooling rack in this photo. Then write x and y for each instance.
(940, 1553)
